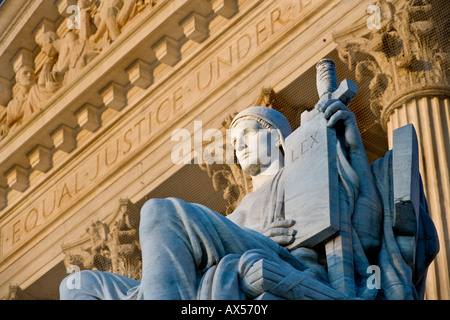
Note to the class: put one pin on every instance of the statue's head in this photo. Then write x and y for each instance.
(48, 43)
(258, 135)
(25, 76)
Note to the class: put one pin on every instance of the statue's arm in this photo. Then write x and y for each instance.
(335, 111)
(367, 212)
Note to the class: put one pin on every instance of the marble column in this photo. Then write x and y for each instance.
(406, 61)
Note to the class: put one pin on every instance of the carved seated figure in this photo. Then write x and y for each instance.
(21, 107)
(192, 252)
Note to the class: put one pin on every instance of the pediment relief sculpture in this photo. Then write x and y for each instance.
(63, 56)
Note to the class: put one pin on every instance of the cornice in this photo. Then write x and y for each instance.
(103, 84)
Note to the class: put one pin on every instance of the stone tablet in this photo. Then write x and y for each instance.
(311, 186)
(406, 180)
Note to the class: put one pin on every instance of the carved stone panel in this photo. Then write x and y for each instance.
(109, 246)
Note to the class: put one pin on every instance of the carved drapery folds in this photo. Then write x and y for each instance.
(109, 246)
(407, 53)
(63, 53)
(406, 59)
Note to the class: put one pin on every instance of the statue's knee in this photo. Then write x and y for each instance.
(155, 212)
(155, 206)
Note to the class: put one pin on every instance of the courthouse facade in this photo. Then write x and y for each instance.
(91, 93)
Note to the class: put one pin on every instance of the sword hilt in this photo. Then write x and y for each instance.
(326, 79)
(327, 84)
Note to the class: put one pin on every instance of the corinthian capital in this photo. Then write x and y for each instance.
(405, 53)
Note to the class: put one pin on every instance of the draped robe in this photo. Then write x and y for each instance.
(191, 252)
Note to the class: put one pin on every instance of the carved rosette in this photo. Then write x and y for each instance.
(405, 57)
(112, 246)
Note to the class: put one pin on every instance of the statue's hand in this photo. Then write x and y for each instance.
(335, 111)
(280, 232)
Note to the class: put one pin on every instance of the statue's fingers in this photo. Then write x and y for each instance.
(324, 104)
(332, 109)
(274, 232)
(338, 115)
(282, 223)
(319, 105)
(283, 240)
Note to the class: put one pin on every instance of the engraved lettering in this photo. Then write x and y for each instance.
(109, 162)
(187, 93)
(149, 122)
(178, 100)
(313, 139)
(138, 125)
(228, 61)
(158, 118)
(244, 44)
(96, 169)
(127, 141)
(77, 188)
(202, 87)
(261, 32)
(303, 147)
(34, 219)
(275, 16)
(64, 193)
(44, 212)
(16, 233)
(304, 4)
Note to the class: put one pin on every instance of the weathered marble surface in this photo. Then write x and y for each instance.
(192, 252)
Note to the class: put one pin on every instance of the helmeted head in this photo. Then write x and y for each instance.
(258, 135)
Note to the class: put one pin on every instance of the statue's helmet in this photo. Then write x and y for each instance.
(269, 116)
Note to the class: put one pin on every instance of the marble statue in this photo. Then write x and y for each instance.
(21, 105)
(30, 91)
(50, 78)
(111, 16)
(191, 252)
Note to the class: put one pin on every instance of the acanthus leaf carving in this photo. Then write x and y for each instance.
(405, 54)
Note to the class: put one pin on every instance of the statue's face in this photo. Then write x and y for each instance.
(48, 47)
(25, 77)
(256, 147)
